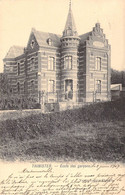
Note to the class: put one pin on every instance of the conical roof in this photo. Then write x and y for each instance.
(70, 27)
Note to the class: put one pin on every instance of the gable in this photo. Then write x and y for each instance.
(32, 43)
(96, 38)
(42, 39)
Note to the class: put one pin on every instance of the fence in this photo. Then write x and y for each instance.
(18, 102)
(44, 98)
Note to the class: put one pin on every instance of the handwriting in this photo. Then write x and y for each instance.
(65, 180)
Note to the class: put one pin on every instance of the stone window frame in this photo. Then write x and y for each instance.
(71, 65)
(54, 86)
(98, 63)
(49, 64)
(98, 86)
(32, 64)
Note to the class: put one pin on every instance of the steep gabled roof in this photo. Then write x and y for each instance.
(85, 36)
(42, 37)
(14, 52)
(70, 27)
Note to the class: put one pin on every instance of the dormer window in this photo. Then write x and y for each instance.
(49, 41)
(32, 44)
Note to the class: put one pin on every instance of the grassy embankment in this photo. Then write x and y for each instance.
(95, 132)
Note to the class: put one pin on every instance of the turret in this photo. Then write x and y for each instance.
(69, 58)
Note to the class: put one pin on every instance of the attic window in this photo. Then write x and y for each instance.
(49, 41)
(32, 43)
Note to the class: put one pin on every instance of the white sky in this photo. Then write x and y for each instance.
(17, 17)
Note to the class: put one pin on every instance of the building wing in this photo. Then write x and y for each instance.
(14, 52)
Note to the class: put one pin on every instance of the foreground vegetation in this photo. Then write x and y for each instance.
(95, 132)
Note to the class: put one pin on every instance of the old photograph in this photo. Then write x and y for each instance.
(62, 85)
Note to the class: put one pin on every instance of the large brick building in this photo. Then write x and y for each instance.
(67, 69)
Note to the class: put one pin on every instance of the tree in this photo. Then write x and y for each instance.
(117, 77)
(4, 84)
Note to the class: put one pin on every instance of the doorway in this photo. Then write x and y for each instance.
(68, 89)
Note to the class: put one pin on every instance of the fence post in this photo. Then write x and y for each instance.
(57, 96)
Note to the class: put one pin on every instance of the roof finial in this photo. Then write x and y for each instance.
(70, 4)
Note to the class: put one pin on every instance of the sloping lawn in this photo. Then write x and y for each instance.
(95, 132)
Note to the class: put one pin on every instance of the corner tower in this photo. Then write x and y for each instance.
(69, 59)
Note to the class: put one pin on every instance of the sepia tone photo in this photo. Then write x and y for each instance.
(62, 91)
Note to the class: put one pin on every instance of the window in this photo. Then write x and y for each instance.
(18, 68)
(32, 44)
(51, 63)
(68, 62)
(49, 41)
(98, 86)
(18, 88)
(11, 90)
(11, 69)
(32, 64)
(98, 63)
(32, 86)
(91, 75)
(77, 62)
(51, 86)
(25, 87)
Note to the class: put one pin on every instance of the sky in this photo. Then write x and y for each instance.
(18, 17)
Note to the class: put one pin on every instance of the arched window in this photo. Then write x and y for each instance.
(98, 86)
(68, 89)
(68, 62)
(32, 64)
(32, 44)
(51, 63)
(49, 41)
(18, 88)
(18, 68)
(32, 86)
(98, 63)
(51, 86)
(25, 87)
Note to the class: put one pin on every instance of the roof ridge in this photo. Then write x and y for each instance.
(16, 46)
(46, 32)
(85, 33)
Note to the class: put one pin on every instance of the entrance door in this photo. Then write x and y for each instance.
(68, 89)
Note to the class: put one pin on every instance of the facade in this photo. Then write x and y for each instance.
(68, 69)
